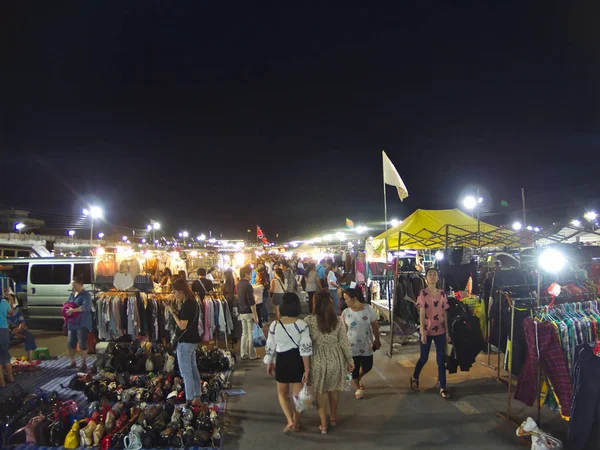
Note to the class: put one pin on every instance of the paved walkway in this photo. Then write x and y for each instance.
(392, 416)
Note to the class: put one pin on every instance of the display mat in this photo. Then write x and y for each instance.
(49, 377)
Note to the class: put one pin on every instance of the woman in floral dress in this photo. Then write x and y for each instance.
(331, 360)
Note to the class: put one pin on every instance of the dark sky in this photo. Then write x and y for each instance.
(211, 116)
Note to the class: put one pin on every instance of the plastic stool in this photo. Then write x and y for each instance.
(41, 353)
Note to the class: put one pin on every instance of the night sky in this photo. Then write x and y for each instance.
(219, 117)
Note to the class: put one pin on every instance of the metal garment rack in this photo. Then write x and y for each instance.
(391, 303)
(506, 416)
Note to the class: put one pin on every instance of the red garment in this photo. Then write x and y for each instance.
(553, 360)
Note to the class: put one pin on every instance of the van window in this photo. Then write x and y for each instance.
(23, 254)
(9, 253)
(61, 274)
(51, 274)
(18, 272)
(85, 270)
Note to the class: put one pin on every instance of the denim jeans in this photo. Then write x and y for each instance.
(247, 349)
(186, 357)
(336, 300)
(440, 352)
(80, 335)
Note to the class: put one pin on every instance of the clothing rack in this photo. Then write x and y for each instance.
(391, 303)
(537, 309)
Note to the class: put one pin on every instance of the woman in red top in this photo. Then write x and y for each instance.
(432, 303)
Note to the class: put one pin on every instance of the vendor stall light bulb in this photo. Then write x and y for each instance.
(529, 227)
(149, 227)
(590, 216)
(185, 234)
(71, 233)
(143, 241)
(124, 238)
(100, 251)
(100, 235)
(395, 222)
(19, 226)
(517, 226)
(536, 229)
(576, 223)
(551, 260)
(439, 255)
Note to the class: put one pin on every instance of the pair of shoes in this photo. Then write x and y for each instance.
(359, 394)
(323, 430)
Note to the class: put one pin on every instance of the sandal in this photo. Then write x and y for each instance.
(333, 421)
(359, 394)
(444, 394)
(323, 430)
(414, 384)
(289, 428)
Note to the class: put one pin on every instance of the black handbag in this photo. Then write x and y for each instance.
(58, 433)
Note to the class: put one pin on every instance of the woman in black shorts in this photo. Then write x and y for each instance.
(289, 339)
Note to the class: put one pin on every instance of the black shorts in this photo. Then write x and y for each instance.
(289, 367)
(361, 362)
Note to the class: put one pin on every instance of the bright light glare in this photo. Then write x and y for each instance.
(551, 260)
(439, 255)
(149, 227)
(19, 226)
(576, 223)
(590, 216)
(100, 251)
(480, 200)
(124, 238)
(327, 238)
(340, 236)
(470, 202)
(361, 229)
(529, 227)
(156, 225)
(517, 226)
(71, 233)
(95, 212)
(202, 237)
(395, 222)
(536, 229)
(100, 235)
(185, 234)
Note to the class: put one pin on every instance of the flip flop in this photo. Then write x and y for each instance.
(445, 394)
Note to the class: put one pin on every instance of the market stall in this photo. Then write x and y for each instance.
(447, 231)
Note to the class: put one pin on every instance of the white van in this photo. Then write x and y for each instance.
(44, 284)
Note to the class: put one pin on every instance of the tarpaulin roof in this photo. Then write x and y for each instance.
(427, 229)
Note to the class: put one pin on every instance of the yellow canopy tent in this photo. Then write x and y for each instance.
(433, 229)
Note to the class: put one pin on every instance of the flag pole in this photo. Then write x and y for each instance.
(385, 253)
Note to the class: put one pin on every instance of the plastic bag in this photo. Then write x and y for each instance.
(348, 383)
(539, 439)
(258, 337)
(303, 400)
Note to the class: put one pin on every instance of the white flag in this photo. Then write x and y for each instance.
(391, 177)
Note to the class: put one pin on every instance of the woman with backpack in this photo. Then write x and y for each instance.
(78, 317)
(278, 288)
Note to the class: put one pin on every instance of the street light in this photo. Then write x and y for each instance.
(100, 235)
(590, 216)
(470, 202)
(361, 229)
(95, 212)
(124, 238)
(185, 234)
(517, 226)
(153, 226)
(576, 223)
(202, 237)
(71, 233)
(19, 226)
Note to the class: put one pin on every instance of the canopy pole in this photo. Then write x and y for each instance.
(391, 302)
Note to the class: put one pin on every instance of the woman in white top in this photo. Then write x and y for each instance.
(363, 335)
(289, 339)
(278, 288)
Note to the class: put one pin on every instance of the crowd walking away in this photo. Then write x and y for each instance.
(6, 310)
(433, 320)
(287, 356)
(248, 312)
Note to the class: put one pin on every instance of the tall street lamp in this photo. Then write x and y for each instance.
(591, 217)
(94, 212)
(474, 203)
(154, 225)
